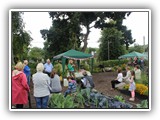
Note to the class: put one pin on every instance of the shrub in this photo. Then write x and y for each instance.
(112, 63)
(140, 88)
(32, 67)
(144, 79)
(123, 66)
(58, 68)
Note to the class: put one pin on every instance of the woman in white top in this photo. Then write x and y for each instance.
(118, 79)
(128, 75)
(41, 84)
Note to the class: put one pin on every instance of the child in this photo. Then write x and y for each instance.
(132, 86)
(71, 68)
(71, 86)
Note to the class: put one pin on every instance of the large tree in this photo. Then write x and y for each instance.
(82, 20)
(110, 46)
(20, 38)
(62, 36)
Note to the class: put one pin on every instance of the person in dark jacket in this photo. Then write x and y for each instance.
(87, 81)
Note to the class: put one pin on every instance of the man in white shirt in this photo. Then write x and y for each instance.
(48, 67)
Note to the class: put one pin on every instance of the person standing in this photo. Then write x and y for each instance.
(41, 82)
(137, 74)
(26, 70)
(118, 79)
(135, 62)
(142, 64)
(48, 67)
(20, 87)
(132, 86)
(71, 68)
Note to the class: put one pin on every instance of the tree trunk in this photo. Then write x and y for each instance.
(85, 39)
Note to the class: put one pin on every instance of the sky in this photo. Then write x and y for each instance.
(137, 22)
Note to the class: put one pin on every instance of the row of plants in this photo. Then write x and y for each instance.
(86, 99)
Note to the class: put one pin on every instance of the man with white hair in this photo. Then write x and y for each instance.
(48, 67)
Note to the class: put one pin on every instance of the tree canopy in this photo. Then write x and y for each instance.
(110, 44)
(69, 27)
(36, 54)
(20, 38)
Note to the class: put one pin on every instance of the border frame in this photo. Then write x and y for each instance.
(81, 10)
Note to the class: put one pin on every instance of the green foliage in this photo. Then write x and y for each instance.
(119, 98)
(137, 48)
(110, 46)
(79, 99)
(33, 67)
(144, 79)
(20, 38)
(112, 63)
(143, 104)
(67, 28)
(85, 66)
(36, 54)
(58, 68)
(59, 101)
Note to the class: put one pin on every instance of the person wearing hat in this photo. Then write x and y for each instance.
(20, 87)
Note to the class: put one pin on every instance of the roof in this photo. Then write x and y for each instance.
(73, 54)
(132, 54)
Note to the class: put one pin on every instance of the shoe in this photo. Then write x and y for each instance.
(131, 99)
(112, 89)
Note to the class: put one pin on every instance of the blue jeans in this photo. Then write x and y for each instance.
(67, 92)
(28, 80)
(42, 102)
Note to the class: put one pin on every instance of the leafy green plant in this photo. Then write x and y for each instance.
(58, 68)
(143, 104)
(144, 78)
(59, 101)
(79, 99)
(119, 98)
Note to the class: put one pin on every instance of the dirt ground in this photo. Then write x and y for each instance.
(102, 84)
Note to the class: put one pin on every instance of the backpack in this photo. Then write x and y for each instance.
(89, 78)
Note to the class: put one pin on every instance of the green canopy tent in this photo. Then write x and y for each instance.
(132, 55)
(73, 54)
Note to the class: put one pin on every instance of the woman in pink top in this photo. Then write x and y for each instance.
(20, 87)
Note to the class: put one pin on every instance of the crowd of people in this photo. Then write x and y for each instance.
(45, 83)
(130, 78)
